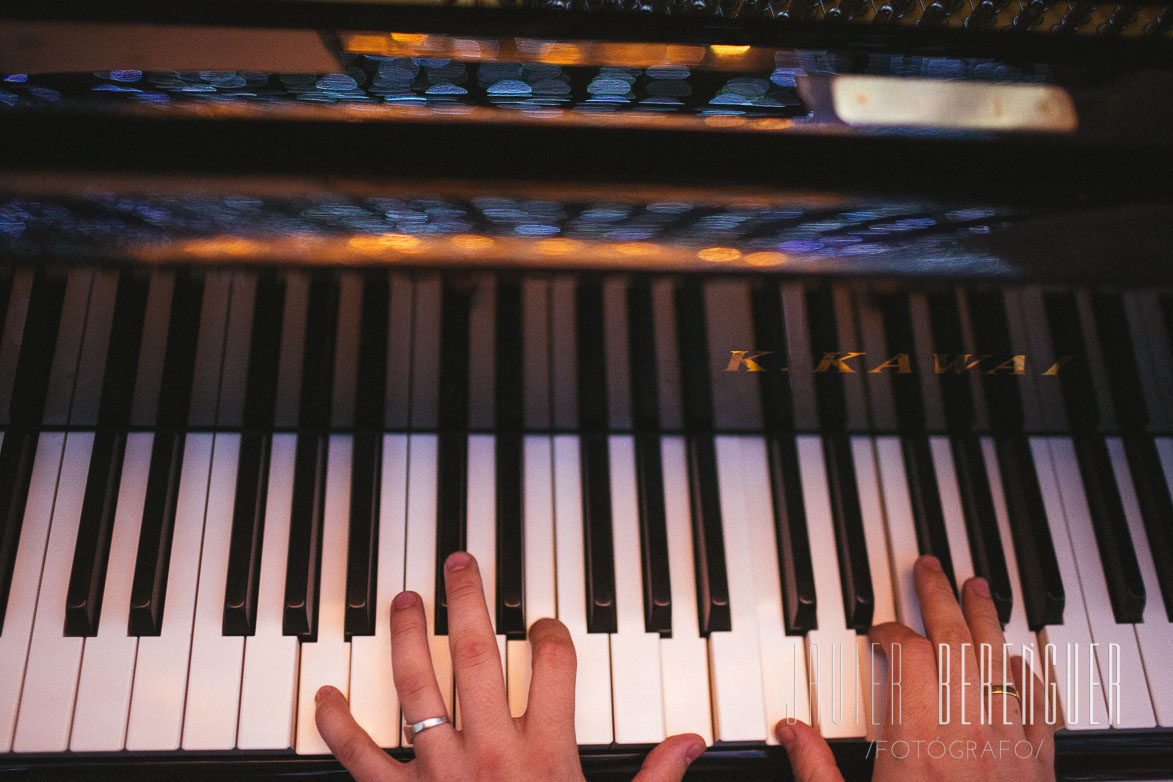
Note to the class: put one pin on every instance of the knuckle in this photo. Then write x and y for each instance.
(557, 653)
(953, 636)
(413, 685)
(474, 653)
(405, 624)
(464, 586)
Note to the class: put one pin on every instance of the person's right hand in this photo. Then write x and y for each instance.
(947, 623)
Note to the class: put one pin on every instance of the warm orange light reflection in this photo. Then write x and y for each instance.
(472, 242)
(636, 248)
(722, 50)
(559, 246)
(719, 254)
(766, 259)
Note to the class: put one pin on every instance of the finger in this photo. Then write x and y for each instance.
(810, 756)
(668, 761)
(476, 660)
(1003, 712)
(945, 626)
(551, 686)
(350, 744)
(411, 666)
(1034, 704)
(912, 675)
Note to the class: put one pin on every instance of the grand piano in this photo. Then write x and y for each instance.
(696, 321)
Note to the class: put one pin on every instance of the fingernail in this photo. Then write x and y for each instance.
(694, 752)
(324, 692)
(403, 600)
(932, 563)
(458, 561)
(785, 735)
(980, 587)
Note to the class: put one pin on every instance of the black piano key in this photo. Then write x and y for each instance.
(799, 600)
(1117, 555)
(510, 607)
(1113, 540)
(1120, 361)
(149, 588)
(16, 469)
(850, 544)
(653, 523)
(925, 498)
(303, 564)
(5, 296)
(38, 341)
(708, 541)
(96, 525)
(653, 527)
(363, 544)
(509, 410)
(1038, 569)
(366, 476)
(452, 448)
(1043, 595)
(1156, 509)
(370, 397)
(248, 523)
(594, 458)
(949, 347)
(26, 411)
(830, 398)
(252, 473)
(977, 507)
(87, 578)
(704, 496)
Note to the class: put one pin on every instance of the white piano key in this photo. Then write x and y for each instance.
(950, 495)
(1130, 706)
(326, 660)
(1154, 635)
(832, 649)
(374, 701)
(26, 579)
(636, 689)
(1084, 707)
(213, 679)
(481, 534)
(684, 658)
(107, 665)
(873, 665)
(160, 675)
(537, 563)
(420, 562)
(902, 546)
(50, 678)
(735, 665)
(269, 677)
(784, 670)
(592, 693)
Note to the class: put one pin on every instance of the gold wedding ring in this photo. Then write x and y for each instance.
(1003, 689)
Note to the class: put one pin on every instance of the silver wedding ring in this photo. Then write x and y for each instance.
(416, 728)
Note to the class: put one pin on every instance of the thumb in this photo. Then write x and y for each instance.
(668, 761)
(810, 756)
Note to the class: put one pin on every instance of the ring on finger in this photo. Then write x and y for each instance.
(416, 728)
(1001, 689)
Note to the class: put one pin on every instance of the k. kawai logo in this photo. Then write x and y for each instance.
(851, 363)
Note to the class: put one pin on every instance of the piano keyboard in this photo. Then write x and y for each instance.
(212, 483)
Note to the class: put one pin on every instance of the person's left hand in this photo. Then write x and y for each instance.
(491, 745)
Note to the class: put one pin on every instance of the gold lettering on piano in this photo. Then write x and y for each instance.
(956, 363)
(900, 362)
(838, 362)
(739, 358)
